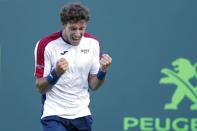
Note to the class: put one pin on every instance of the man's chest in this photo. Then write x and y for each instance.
(78, 57)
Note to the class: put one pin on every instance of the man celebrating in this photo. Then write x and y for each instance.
(68, 63)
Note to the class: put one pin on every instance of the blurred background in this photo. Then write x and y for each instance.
(142, 37)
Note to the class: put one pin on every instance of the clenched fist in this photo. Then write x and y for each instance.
(105, 62)
(61, 66)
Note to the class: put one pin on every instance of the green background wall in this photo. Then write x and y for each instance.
(142, 36)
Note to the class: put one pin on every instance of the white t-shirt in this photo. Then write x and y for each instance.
(69, 97)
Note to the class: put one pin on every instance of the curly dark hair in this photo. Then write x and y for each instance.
(74, 12)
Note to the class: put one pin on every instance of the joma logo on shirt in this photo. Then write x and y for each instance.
(85, 51)
(64, 52)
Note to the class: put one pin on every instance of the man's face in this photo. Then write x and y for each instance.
(73, 32)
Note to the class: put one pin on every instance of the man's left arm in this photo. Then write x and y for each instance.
(96, 80)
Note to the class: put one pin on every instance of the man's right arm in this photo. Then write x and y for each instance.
(44, 84)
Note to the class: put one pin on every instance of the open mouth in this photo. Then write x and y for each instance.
(76, 38)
